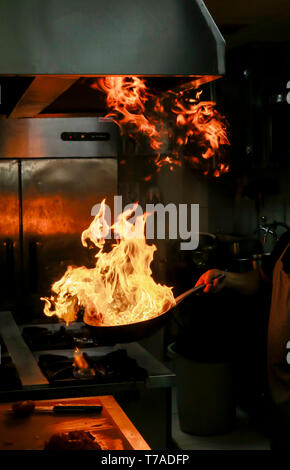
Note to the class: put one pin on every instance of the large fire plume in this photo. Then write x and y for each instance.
(120, 288)
(175, 118)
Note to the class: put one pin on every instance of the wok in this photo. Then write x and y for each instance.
(139, 330)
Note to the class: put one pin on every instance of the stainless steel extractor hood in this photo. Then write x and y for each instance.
(111, 37)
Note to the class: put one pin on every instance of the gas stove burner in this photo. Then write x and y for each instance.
(116, 366)
(40, 338)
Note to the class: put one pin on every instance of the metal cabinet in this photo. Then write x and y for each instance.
(57, 199)
(45, 205)
(48, 186)
(9, 229)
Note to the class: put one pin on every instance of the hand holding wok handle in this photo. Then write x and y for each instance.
(213, 279)
(200, 287)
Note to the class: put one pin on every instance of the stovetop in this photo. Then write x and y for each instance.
(55, 336)
(113, 367)
(44, 363)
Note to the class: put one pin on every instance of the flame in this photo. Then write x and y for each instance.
(171, 161)
(79, 360)
(189, 120)
(119, 289)
(203, 120)
(80, 365)
(127, 97)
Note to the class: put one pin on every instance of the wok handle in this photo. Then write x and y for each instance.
(196, 289)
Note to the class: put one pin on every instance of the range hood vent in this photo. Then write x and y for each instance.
(111, 37)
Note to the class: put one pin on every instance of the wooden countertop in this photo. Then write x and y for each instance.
(112, 428)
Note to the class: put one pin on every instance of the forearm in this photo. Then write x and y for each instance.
(244, 283)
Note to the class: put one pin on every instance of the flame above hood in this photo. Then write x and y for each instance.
(112, 37)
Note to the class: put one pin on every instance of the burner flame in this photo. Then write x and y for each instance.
(79, 360)
(80, 365)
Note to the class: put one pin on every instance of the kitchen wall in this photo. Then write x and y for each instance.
(252, 95)
(184, 186)
(235, 211)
